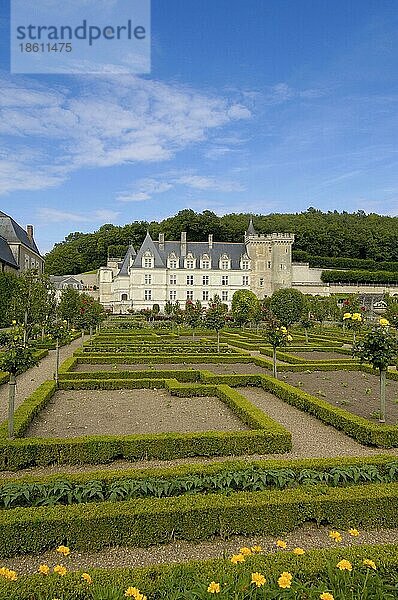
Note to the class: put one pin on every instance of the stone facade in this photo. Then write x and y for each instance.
(20, 245)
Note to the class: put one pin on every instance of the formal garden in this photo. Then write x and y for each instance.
(246, 454)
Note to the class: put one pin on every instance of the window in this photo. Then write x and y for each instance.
(224, 280)
(282, 267)
(173, 295)
(148, 279)
(189, 294)
(189, 263)
(189, 279)
(147, 294)
(224, 296)
(224, 264)
(205, 280)
(147, 260)
(245, 264)
(124, 297)
(261, 281)
(205, 295)
(245, 280)
(269, 264)
(173, 279)
(173, 263)
(205, 264)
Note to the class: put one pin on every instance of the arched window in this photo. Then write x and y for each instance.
(124, 297)
(225, 262)
(205, 262)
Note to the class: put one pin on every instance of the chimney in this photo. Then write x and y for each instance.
(161, 241)
(183, 243)
(29, 231)
(210, 241)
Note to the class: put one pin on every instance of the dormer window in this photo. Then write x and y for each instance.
(205, 261)
(225, 263)
(147, 260)
(172, 261)
(190, 261)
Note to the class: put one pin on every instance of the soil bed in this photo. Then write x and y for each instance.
(224, 369)
(354, 391)
(75, 413)
(316, 355)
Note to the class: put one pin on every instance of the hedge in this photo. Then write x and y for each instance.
(336, 262)
(156, 581)
(91, 527)
(359, 277)
(267, 437)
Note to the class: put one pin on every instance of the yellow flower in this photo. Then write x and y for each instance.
(283, 329)
(87, 578)
(214, 588)
(237, 558)
(257, 549)
(353, 532)
(335, 535)
(326, 596)
(285, 580)
(344, 565)
(357, 317)
(14, 322)
(298, 551)
(132, 592)
(289, 338)
(347, 316)
(44, 569)
(245, 551)
(63, 550)
(8, 574)
(258, 579)
(281, 544)
(369, 563)
(60, 569)
(384, 322)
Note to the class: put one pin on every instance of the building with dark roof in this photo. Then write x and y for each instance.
(162, 270)
(18, 250)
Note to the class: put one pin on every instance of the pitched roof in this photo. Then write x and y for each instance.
(161, 252)
(14, 234)
(6, 256)
(250, 229)
(131, 253)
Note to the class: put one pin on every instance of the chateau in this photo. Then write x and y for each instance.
(164, 271)
(18, 250)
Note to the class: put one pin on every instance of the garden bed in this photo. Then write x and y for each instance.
(219, 368)
(73, 413)
(355, 391)
(317, 355)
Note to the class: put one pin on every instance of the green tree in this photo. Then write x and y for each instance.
(8, 298)
(215, 317)
(392, 310)
(380, 349)
(287, 305)
(245, 307)
(193, 315)
(69, 306)
(277, 335)
(36, 301)
(90, 313)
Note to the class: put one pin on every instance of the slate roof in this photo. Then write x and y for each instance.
(131, 253)
(14, 234)
(59, 280)
(234, 251)
(6, 256)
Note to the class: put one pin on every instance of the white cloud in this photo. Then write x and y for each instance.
(109, 121)
(209, 183)
(53, 215)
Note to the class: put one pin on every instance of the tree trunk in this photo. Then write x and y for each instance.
(306, 335)
(218, 342)
(274, 370)
(56, 361)
(11, 405)
(25, 330)
(91, 331)
(82, 337)
(382, 396)
(42, 333)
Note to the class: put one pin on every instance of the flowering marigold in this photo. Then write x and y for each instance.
(8, 574)
(214, 588)
(237, 558)
(357, 317)
(298, 551)
(285, 580)
(369, 563)
(344, 565)
(326, 596)
(258, 579)
(281, 544)
(353, 532)
(257, 549)
(87, 578)
(384, 322)
(44, 569)
(346, 316)
(245, 551)
(63, 550)
(335, 535)
(60, 570)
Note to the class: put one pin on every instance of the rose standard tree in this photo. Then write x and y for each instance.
(215, 317)
(380, 348)
(17, 358)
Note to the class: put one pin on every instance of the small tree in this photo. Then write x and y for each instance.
(193, 315)
(354, 321)
(380, 349)
(58, 330)
(245, 307)
(16, 359)
(278, 336)
(215, 317)
(287, 305)
(69, 306)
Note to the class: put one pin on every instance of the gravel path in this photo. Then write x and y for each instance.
(310, 437)
(31, 379)
(307, 537)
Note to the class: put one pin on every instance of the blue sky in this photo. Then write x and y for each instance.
(257, 105)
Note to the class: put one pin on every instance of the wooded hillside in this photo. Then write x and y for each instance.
(332, 234)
